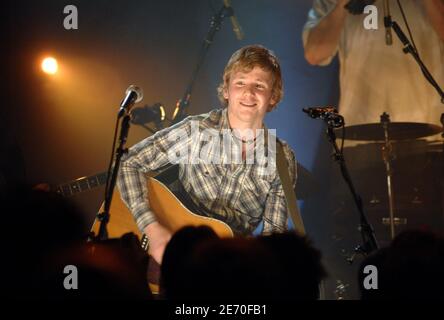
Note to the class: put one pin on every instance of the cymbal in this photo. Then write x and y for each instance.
(396, 131)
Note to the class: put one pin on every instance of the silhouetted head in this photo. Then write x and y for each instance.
(114, 268)
(176, 257)
(410, 268)
(233, 268)
(38, 224)
(301, 263)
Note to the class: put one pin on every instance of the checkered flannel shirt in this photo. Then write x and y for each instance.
(240, 194)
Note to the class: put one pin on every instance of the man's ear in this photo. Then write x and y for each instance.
(272, 105)
(225, 92)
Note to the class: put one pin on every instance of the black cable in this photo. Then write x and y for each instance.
(407, 25)
(414, 51)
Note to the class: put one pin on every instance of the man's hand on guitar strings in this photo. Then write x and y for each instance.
(158, 237)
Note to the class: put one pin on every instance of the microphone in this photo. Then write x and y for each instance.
(329, 114)
(387, 24)
(132, 95)
(236, 26)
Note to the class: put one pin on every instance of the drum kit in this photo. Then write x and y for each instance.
(385, 134)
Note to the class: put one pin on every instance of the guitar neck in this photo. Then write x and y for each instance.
(168, 172)
(82, 184)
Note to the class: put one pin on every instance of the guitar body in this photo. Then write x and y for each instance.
(173, 214)
(170, 212)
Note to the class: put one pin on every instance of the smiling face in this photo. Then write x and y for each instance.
(250, 97)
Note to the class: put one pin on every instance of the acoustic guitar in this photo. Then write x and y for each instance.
(171, 210)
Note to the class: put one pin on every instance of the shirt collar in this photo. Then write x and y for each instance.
(224, 124)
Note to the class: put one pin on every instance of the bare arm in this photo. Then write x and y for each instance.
(435, 12)
(324, 38)
(159, 237)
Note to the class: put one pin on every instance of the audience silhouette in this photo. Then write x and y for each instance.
(410, 268)
(45, 233)
(198, 265)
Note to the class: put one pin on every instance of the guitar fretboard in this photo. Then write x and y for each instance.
(169, 172)
(82, 184)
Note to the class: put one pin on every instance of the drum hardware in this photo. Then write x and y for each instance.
(349, 257)
(416, 200)
(388, 132)
(340, 290)
(398, 131)
(396, 221)
(387, 155)
(374, 200)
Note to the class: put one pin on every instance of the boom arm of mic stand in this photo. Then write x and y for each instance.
(367, 232)
(408, 48)
(216, 22)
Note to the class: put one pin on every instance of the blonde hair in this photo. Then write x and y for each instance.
(246, 59)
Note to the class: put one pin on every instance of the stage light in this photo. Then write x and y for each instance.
(49, 65)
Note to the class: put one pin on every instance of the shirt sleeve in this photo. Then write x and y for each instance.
(150, 154)
(276, 212)
(320, 9)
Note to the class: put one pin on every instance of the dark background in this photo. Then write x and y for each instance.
(59, 128)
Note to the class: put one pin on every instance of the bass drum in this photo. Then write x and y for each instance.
(418, 187)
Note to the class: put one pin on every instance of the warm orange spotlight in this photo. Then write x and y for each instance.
(49, 65)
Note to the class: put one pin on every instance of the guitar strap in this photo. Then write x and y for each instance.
(290, 196)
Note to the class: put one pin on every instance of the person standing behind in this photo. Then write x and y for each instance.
(375, 77)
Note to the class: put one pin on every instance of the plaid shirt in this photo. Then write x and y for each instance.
(240, 194)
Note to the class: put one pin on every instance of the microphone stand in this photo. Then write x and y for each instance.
(111, 182)
(368, 235)
(408, 48)
(216, 22)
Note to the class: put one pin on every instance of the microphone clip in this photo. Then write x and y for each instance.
(329, 114)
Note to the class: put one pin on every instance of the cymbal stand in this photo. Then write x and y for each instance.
(387, 155)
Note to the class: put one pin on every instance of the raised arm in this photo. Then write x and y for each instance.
(323, 39)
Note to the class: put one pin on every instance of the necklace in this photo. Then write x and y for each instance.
(249, 141)
(242, 140)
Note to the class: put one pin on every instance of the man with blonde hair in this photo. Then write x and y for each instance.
(230, 186)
